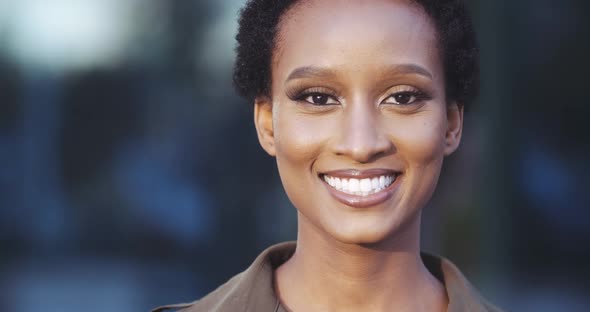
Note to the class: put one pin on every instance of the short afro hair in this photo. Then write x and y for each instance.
(259, 22)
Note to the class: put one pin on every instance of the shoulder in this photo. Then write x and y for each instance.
(463, 296)
(221, 299)
(250, 290)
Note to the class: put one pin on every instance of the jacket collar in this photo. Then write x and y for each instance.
(259, 285)
(253, 289)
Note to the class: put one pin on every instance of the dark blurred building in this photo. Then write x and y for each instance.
(129, 168)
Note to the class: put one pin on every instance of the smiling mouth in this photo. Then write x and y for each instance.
(360, 187)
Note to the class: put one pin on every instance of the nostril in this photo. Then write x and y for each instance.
(361, 137)
(368, 153)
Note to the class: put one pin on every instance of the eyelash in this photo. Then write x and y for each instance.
(301, 96)
(418, 96)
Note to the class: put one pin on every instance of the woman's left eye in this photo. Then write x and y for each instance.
(402, 98)
(320, 99)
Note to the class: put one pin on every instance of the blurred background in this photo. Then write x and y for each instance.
(131, 176)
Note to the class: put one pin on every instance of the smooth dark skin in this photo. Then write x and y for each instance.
(358, 53)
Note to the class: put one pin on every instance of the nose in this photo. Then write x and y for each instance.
(360, 136)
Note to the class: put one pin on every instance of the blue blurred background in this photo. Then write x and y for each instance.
(130, 173)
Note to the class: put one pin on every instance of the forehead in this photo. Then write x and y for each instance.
(355, 35)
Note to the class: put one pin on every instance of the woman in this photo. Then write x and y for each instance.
(359, 101)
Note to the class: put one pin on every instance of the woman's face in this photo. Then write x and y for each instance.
(357, 119)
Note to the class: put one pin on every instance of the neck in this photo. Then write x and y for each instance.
(327, 275)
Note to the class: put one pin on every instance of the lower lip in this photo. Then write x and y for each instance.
(357, 201)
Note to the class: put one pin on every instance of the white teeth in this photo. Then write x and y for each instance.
(375, 183)
(353, 185)
(360, 187)
(338, 184)
(365, 185)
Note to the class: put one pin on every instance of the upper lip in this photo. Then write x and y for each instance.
(360, 174)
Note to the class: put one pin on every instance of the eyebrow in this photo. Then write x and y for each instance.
(318, 72)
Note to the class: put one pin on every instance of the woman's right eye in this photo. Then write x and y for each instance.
(320, 99)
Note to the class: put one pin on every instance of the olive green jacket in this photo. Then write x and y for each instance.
(252, 290)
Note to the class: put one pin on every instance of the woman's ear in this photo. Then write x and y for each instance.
(263, 123)
(454, 127)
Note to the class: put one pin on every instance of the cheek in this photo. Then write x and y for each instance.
(299, 137)
(299, 141)
(420, 139)
(420, 144)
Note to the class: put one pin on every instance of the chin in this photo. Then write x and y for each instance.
(367, 232)
(366, 238)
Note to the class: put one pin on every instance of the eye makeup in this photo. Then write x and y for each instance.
(400, 95)
(299, 92)
(405, 95)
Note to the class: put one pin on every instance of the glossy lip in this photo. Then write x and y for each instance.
(357, 201)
